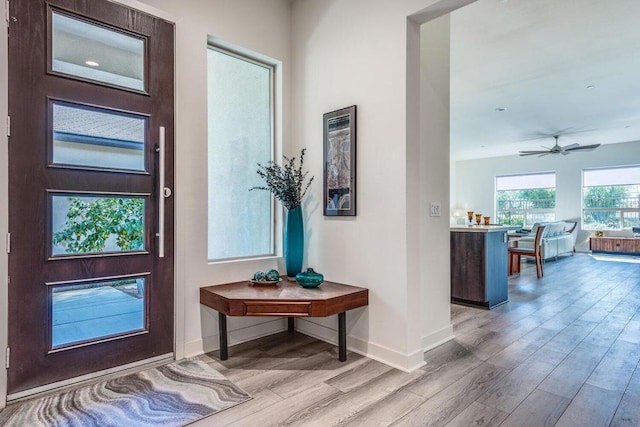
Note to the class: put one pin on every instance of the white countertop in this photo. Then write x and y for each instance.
(480, 228)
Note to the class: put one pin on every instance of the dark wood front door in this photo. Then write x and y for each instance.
(91, 101)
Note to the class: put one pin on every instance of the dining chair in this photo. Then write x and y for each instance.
(515, 253)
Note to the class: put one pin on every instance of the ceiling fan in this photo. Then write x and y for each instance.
(557, 149)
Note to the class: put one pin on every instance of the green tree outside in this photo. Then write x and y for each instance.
(91, 221)
(512, 204)
(614, 197)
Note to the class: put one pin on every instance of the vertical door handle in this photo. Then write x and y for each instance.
(163, 191)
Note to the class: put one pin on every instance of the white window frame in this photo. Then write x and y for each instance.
(525, 211)
(620, 210)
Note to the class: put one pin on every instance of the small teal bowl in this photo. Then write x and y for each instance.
(309, 278)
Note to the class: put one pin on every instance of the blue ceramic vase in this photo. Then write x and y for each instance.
(309, 279)
(293, 241)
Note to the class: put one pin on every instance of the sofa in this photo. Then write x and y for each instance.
(558, 238)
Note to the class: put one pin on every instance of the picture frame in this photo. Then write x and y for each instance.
(339, 155)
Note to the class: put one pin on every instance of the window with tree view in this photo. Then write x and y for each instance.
(523, 200)
(611, 198)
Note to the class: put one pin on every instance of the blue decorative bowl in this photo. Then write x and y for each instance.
(272, 275)
(309, 278)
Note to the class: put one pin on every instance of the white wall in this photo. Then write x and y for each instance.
(351, 52)
(355, 52)
(4, 205)
(434, 182)
(475, 185)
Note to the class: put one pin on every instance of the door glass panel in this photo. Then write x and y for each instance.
(96, 224)
(97, 53)
(93, 138)
(82, 312)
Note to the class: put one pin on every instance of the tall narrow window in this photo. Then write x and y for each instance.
(611, 198)
(240, 101)
(523, 200)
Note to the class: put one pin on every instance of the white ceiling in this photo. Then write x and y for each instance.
(536, 58)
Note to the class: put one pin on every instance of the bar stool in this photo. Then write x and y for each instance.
(536, 252)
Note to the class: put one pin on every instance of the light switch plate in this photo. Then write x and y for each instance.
(434, 209)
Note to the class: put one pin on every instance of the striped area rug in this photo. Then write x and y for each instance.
(169, 395)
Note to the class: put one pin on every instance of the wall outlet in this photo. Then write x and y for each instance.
(434, 209)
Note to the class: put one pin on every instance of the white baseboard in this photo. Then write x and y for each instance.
(393, 358)
(404, 362)
(212, 343)
(439, 337)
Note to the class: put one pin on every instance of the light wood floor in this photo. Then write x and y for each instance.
(563, 352)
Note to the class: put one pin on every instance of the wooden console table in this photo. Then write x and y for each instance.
(286, 299)
(623, 245)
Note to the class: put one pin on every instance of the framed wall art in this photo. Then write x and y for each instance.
(340, 162)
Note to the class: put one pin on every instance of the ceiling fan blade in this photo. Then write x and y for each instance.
(550, 133)
(533, 153)
(584, 147)
(557, 149)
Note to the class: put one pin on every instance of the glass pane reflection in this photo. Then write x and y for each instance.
(97, 53)
(97, 224)
(93, 310)
(95, 138)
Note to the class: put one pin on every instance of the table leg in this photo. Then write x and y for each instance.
(342, 336)
(290, 325)
(222, 323)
